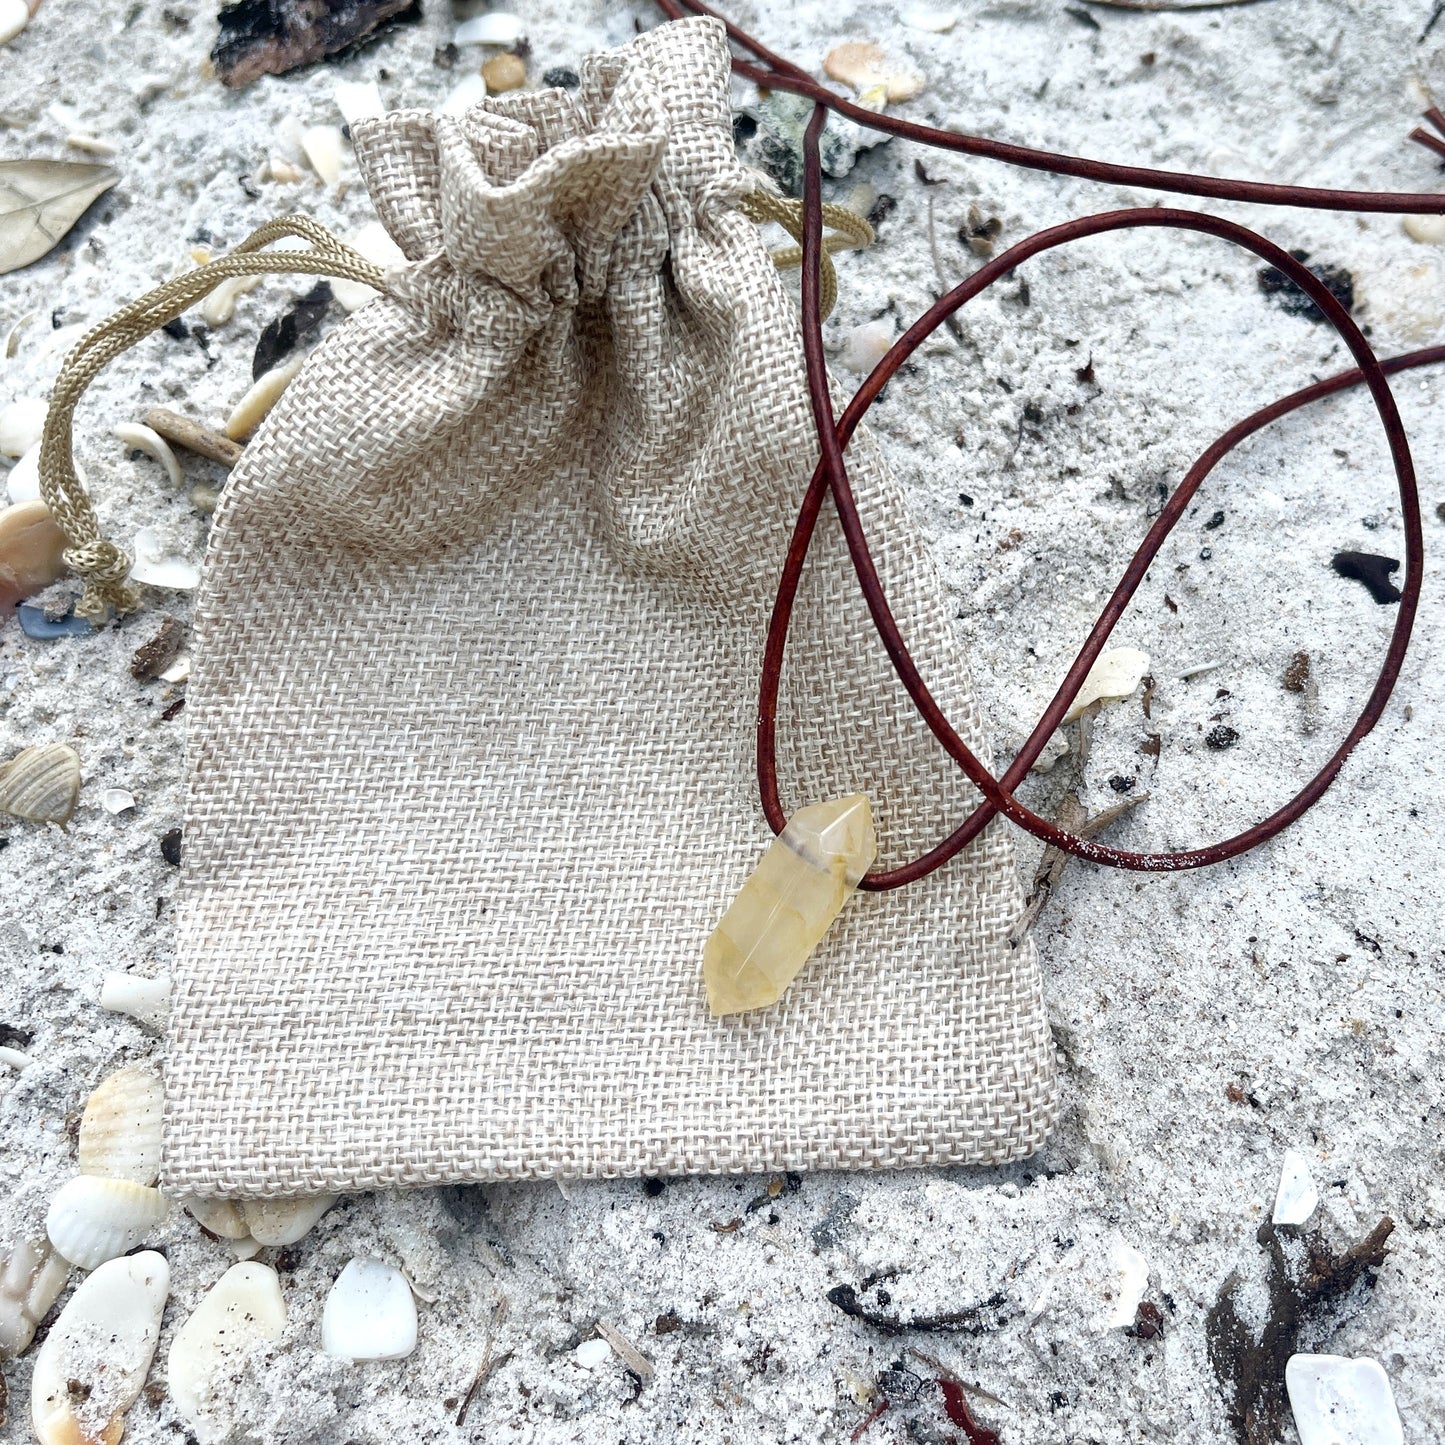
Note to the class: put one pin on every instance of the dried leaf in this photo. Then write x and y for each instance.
(40, 201)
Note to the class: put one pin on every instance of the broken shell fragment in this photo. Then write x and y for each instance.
(866, 345)
(32, 551)
(358, 100)
(1296, 1198)
(323, 146)
(95, 1359)
(374, 242)
(117, 800)
(41, 784)
(155, 569)
(32, 1276)
(21, 425)
(1336, 1400)
(1429, 230)
(938, 22)
(221, 1216)
(496, 28)
(504, 72)
(146, 1000)
(241, 1310)
(863, 65)
(469, 91)
(1114, 675)
(265, 391)
(284, 1221)
(143, 439)
(120, 1131)
(92, 1220)
(220, 306)
(370, 1313)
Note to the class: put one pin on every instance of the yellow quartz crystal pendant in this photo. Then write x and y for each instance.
(808, 873)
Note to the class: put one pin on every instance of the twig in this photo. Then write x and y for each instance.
(868, 1419)
(488, 1362)
(630, 1355)
(977, 1319)
(1152, 5)
(954, 325)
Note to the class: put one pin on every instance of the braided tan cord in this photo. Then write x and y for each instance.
(104, 566)
(848, 230)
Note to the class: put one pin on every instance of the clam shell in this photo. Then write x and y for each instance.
(242, 1309)
(284, 1221)
(32, 1276)
(92, 1220)
(41, 784)
(221, 1216)
(120, 1131)
(95, 1358)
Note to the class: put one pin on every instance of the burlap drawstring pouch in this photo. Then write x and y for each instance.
(471, 772)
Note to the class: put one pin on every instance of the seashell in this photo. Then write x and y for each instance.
(469, 91)
(220, 306)
(265, 391)
(1127, 1279)
(41, 784)
(92, 1220)
(358, 100)
(1296, 1198)
(1429, 230)
(1114, 675)
(16, 1059)
(32, 551)
(504, 72)
(21, 425)
(95, 1358)
(120, 1131)
(32, 1276)
(374, 242)
(91, 145)
(862, 64)
(1337, 1400)
(278, 168)
(23, 483)
(153, 444)
(592, 1354)
(146, 1000)
(155, 569)
(117, 800)
(866, 345)
(241, 1310)
(937, 22)
(178, 671)
(14, 17)
(496, 28)
(284, 1221)
(370, 1313)
(323, 147)
(221, 1216)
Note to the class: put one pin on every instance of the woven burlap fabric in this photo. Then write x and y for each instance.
(471, 771)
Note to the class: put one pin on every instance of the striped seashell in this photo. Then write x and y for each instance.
(41, 784)
(92, 1220)
(120, 1131)
(31, 1278)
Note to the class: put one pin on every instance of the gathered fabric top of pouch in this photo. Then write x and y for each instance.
(547, 193)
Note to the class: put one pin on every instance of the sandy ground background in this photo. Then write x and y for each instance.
(1206, 1022)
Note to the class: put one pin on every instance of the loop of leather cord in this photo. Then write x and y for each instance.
(103, 565)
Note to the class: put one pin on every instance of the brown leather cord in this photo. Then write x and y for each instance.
(831, 472)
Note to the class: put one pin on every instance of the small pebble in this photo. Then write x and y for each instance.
(1429, 230)
(866, 345)
(34, 623)
(1221, 737)
(496, 28)
(1340, 1401)
(21, 425)
(504, 72)
(171, 847)
(1297, 1198)
(592, 1354)
(863, 65)
(561, 77)
(370, 1313)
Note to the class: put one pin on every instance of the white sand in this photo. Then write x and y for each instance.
(1309, 974)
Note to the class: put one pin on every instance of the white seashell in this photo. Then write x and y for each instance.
(251, 410)
(92, 145)
(23, 483)
(280, 169)
(14, 17)
(1428, 229)
(591, 1354)
(938, 22)
(31, 1279)
(153, 444)
(374, 242)
(146, 1000)
(153, 568)
(221, 1216)
(116, 800)
(92, 1220)
(1339, 1401)
(1114, 675)
(95, 1358)
(1128, 1279)
(41, 784)
(370, 1313)
(496, 28)
(241, 1310)
(358, 100)
(323, 146)
(21, 425)
(865, 346)
(220, 306)
(179, 670)
(284, 1221)
(1297, 1198)
(120, 1131)
(16, 1059)
(246, 1247)
(469, 91)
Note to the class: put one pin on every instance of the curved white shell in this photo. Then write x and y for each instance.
(147, 1000)
(92, 1220)
(120, 1131)
(242, 1309)
(41, 784)
(221, 1216)
(95, 1359)
(265, 391)
(284, 1221)
(31, 1278)
(153, 444)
